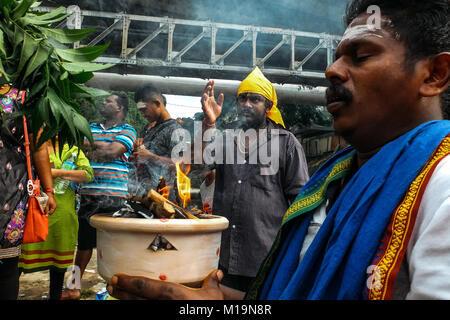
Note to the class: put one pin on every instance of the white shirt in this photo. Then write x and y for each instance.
(428, 253)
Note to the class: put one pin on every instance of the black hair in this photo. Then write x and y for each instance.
(422, 25)
(122, 100)
(147, 92)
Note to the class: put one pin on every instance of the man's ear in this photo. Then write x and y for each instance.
(269, 105)
(438, 75)
(158, 103)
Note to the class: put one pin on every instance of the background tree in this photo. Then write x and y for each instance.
(90, 109)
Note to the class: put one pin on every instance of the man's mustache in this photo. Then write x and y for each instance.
(246, 111)
(337, 92)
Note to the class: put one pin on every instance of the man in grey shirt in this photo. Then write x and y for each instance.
(253, 195)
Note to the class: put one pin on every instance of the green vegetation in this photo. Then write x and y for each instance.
(41, 59)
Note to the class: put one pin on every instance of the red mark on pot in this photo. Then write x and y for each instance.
(218, 251)
(162, 277)
(100, 253)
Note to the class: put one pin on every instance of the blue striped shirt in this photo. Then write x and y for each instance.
(111, 178)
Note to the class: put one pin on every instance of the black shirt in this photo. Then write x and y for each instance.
(157, 140)
(255, 204)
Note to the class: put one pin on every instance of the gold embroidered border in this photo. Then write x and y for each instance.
(400, 225)
(315, 198)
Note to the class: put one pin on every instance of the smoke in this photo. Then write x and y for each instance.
(306, 15)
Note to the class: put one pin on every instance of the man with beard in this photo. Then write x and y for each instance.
(381, 206)
(113, 144)
(252, 194)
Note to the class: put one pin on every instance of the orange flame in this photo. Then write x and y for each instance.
(164, 191)
(183, 184)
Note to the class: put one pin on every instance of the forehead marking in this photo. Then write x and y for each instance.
(360, 31)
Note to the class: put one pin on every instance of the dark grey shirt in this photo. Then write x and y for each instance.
(255, 204)
(157, 140)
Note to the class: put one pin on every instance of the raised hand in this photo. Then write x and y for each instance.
(211, 108)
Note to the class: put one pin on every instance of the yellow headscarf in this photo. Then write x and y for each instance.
(256, 82)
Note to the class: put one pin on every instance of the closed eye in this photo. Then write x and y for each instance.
(361, 58)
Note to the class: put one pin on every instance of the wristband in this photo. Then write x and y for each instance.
(207, 124)
(50, 190)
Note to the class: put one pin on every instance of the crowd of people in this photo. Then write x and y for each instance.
(369, 224)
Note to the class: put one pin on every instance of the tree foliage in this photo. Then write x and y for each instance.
(90, 109)
(305, 115)
(38, 58)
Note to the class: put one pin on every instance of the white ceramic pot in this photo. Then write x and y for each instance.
(124, 246)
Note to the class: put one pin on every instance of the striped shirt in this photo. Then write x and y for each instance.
(111, 178)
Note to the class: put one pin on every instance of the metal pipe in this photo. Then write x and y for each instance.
(286, 93)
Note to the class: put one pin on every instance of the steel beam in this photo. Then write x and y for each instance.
(286, 93)
(252, 37)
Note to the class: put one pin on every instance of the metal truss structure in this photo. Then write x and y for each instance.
(146, 41)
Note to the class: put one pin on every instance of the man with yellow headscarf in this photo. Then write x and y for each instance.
(251, 198)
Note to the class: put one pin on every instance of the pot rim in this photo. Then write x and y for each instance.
(211, 224)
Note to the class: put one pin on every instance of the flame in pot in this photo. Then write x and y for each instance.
(183, 185)
(165, 191)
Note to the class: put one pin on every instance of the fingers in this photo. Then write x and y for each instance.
(220, 99)
(212, 88)
(130, 287)
(208, 87)
(51, 206)
(219, 273)
(122, 295)
(211, 287)
(126, 287)
(136, 287)
(138, 143)
(213, 279)
(204, 99)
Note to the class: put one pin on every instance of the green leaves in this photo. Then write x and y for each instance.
(67, 35)
(2, 46)
(84, 54)
(38, 58)
(29, 47)
(75, 68)
(81, 91)
(21, 9)
(38, 19)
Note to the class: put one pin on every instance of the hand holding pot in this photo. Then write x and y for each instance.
(124, 287)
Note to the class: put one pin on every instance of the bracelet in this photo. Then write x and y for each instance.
(50, 190)
(207, 124)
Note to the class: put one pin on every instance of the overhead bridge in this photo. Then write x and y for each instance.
(162, 46)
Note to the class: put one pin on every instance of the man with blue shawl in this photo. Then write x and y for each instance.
(372, 221)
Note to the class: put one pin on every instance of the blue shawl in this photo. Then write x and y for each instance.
(334, 266)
